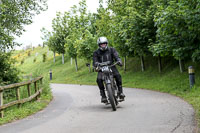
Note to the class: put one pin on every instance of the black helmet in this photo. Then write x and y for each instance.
(102, 40)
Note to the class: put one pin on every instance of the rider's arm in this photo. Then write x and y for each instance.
(116, 55)
(95, 59)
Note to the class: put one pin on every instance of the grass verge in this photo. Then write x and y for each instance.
(15, 113)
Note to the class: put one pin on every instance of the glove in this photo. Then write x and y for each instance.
(97, 69)
(120, 63)
(97, 64)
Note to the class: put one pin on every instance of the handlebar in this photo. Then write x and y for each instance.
(114, 64)
(107, 64)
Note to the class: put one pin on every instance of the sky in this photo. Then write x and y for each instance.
(44, 19)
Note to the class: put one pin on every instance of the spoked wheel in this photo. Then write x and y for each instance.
(111, 97)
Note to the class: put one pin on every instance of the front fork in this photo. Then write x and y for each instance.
(113, 84)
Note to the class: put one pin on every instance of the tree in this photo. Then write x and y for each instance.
(175, 34)
(50, 40)
(8, 72)
(142, 28)
(78, 25)
(60, 32)
(104, 23)
(73, 40)
(87, 47)
(120, 22)
(52, 46)
(14, 15)
(135, 26)
(192, 18)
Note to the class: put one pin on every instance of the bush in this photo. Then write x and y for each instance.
(34, 60)
(29, 53)
(8, 73)
(22, 61)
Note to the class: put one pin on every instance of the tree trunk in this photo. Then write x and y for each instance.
(89, 68)
(54, 57)
(181, 65)
(76, 65)
(125, 63)
(63, 59)
(142, 63)
(159, 64)
(71, 61)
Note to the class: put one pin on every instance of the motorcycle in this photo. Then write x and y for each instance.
(110, 84)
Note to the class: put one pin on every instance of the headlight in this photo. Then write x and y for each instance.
(105, 69)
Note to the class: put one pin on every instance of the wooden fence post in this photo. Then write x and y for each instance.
(29, 91)
(18, 95)
(40, 85)
(41, 81)
(1, 104)
(35, 86)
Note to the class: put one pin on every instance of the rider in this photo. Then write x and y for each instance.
(103, 54)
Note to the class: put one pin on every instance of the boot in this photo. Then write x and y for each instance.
(120, 93)
(122, 96)
(104, 100)
(103, 96)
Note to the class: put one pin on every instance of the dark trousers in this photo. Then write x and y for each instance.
(117, 77)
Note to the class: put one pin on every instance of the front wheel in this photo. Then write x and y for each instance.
(111, 97)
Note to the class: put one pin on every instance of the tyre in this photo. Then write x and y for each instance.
(115, 93)
(111, 97)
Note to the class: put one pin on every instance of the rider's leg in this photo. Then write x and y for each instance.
(118, 79)
(101, 88)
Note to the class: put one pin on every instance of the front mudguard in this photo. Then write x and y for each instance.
(107, 81)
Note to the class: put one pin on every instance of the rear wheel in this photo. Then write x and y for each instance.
(111, 97)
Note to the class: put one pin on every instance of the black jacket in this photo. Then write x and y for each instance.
(100, 56)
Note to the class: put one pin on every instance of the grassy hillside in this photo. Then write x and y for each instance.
(14, 113)
(169, 81)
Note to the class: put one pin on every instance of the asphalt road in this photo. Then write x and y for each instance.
(77, 109)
